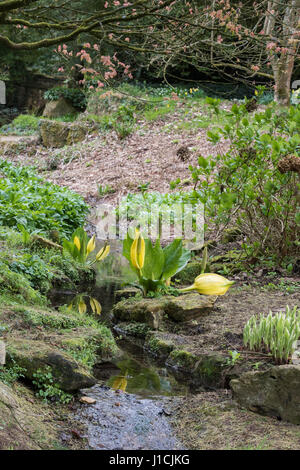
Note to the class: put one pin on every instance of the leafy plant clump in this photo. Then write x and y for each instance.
(275, 334)
(28, 200)
(154, 265)
(47, 389)
(76, 96)
(79, 247)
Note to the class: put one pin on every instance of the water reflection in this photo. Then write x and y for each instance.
(144, 379)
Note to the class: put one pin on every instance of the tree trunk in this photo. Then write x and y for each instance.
(283, 71)
(283, 60)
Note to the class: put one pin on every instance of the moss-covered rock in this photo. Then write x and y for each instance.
(126, 293)
(69, 342)
(26, 424)
(275, 392)
(187, 307)
(152, 311)
(58, 108)
(207, 369)
(231, 260)
(149, 311)
(34, 356)
(159, 344)
(135, 330)
(58, 134)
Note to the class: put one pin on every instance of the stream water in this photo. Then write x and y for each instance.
(133, 395)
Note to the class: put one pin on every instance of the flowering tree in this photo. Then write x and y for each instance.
(245, 40)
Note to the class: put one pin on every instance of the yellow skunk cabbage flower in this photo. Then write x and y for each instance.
(95, 305)
(82, 306)
(210, 284)
(76, 242)
(102, 253)
(91, 245)
(137, 250)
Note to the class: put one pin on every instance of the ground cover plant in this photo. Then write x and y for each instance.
(28, 200)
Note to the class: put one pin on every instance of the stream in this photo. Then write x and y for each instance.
(134, 394)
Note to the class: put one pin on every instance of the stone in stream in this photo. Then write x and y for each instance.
(151, 311)
(125, 421)
(275, 392)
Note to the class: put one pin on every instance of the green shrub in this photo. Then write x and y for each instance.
(249, 185)
(275, 334)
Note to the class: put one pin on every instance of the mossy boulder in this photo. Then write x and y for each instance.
(148, 311)
(70, 343)
(126, 293)
(58, 108)
(105, 102)
(231, 260)
(159, 344)
(206, 369)
(58, 134)
(275, 392)
(33, 355)
(187, 307)
(152, 311)
(134, 329)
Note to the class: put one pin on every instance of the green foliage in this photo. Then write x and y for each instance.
(23, 124)
(36, 204)
(245, 185)
(160, 263)
(17, 287)
(275, 334)
(76, 96)
(234, 357)
(104, 190)
(47, 389)
(35, 269)
(83, 350)
(10, 374)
